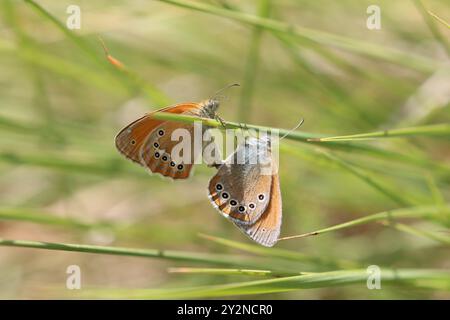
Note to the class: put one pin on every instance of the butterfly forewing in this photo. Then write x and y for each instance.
(158, 152)
(131, 138)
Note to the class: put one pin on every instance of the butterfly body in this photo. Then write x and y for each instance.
(148, 141)
(246, 191)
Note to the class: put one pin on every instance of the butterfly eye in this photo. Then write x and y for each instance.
(233, 203)
(225, 195)
(252, 205)
(241, 209)
(180, 167)
(261, 197)
(161, 132)
(165, 158)
(156, 145)
(219, 187)
(172, 164)
(133, 142)
(157, 155)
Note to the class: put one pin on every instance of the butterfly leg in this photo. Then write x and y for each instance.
(216, 164)
(222, 122)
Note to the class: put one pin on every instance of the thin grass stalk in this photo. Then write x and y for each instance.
(390, 215)
(434, 130)
(435, 16)
(250, 72)
(134, 252)
(432, 26)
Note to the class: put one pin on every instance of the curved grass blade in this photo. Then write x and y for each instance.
(414, 212)
(416, 232)
(280, 253)
(359, 173)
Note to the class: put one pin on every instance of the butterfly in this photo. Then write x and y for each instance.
(147, 141)
(246, 193)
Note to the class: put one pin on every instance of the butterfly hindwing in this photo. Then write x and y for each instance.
(240, 189)
(266, 230)
(234, 191)
(248, 192)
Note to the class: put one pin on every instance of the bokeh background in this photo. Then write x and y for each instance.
(61, 104)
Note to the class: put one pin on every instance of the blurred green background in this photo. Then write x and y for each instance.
(61, 104)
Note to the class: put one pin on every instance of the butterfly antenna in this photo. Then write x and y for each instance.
(217, 96)
(293, 129)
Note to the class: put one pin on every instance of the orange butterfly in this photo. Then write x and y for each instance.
(147, 141)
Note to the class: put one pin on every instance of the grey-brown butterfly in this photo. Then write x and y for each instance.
(246, 190)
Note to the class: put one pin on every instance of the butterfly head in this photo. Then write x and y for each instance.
(209, 107)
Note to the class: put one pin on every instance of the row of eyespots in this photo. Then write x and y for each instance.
(165, 157)
(234, 203)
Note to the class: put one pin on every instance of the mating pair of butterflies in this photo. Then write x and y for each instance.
(240, 192)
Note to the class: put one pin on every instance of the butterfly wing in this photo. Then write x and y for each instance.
(130, 139)
(266, 230)
(241, 191)
(157, 151)
(254, 187)
(264, 222)
(234, 191)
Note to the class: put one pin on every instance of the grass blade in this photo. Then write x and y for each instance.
(416, 232)
(285, 284)
(414, 212)
(184, 256)
(439, 19)
(279, 253)
(431, 25)
(252, 64)
(436, 130)
(16, 214)
(227, 272)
